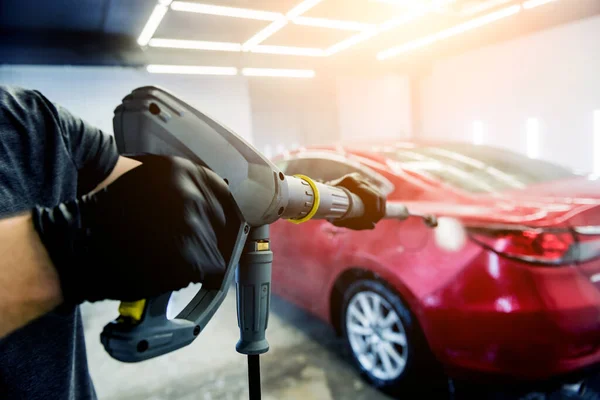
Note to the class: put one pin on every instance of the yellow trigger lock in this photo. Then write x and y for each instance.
(315, 206)
(132, 310)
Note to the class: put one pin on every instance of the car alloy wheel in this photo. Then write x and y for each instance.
(377, 336)
(387, 344)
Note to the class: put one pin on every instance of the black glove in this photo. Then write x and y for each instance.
(159, 227)
(372, 198)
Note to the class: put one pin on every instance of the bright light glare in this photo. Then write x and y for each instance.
(302, 8)
(165, 2)
(289, 73)
(487, 5)
(268, 152)
(190, 70)
(332, 23)
(369, 33)
(152, 24)
(478, 133)
(535, 3)
(225, 11)
(265, 33)
(395, 22)
(533, 138)
(467, 26)
(597, 142)
(290, 51)
(195, 45)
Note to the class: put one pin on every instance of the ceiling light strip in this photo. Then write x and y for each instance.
(368, 34)
(485, 6)
(264, 34)
(152, 24)
(211, 70)
(287, 50)
(302, 8)
(225, 11)
(535, 3)
(332, 24)
(195, 45)
(400, 20)
(458, 29)
(190, 70)
(289, 73)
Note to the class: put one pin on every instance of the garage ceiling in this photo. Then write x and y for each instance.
(353, 35)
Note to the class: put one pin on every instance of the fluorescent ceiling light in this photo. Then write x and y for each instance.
(597, 142)
(332, 23)
(195, 45)
(190, 70)
(365, 35)
(395, 22)
(225, 11)
(302, 8)
(535, 3)
(481, 7)
(264, 34)
(533, 138)
(458, 29)
(289, 73)
(165, 2)
(153, 22)
(291, 51)
(351, 41)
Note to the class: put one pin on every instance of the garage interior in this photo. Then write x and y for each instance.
(288, 75)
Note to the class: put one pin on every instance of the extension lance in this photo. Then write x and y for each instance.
(152, 120)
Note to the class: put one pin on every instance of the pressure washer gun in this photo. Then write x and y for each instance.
(152, 120)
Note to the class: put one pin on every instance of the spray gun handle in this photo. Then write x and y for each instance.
(253, 288)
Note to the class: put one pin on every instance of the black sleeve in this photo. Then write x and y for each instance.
(93, 152)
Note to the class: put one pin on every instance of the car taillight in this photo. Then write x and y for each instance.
(534, 246)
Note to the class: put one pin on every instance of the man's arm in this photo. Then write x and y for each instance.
(29, 284)
(28, 281)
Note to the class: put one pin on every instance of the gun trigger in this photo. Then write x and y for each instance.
(132, 311)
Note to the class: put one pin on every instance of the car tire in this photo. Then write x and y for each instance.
(410, 367)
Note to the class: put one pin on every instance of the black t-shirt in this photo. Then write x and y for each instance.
(47, 156)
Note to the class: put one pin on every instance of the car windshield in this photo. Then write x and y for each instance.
(476, 169)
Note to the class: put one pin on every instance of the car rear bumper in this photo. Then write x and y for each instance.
(521, 323)
(493, 349)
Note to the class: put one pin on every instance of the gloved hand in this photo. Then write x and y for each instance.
(159, 227)
(372, 198)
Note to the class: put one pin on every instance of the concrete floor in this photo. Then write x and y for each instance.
(306, 361)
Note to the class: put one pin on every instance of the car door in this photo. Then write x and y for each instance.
(303, 253)
(287, 242)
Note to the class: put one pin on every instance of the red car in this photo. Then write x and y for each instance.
(520, 299)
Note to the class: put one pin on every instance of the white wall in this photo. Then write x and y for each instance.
(372, 108)
(92, 93)
(288, 112)
(268, 111)
(552, 75)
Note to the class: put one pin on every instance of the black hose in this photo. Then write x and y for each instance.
(254, 376)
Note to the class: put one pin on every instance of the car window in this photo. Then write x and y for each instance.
(325, 170)
(476, 169)
(299, 167)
